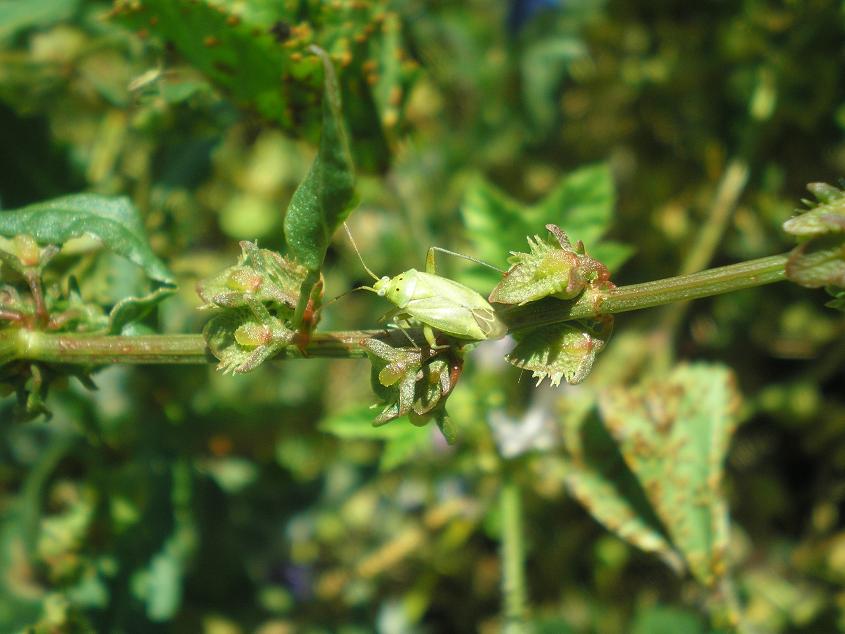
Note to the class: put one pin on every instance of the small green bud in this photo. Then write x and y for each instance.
(552, 268)
(27, 250)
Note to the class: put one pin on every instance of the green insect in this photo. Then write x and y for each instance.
(436, 302)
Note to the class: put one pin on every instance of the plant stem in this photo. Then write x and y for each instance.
(716, 281)
(512, 558)
(94, 349)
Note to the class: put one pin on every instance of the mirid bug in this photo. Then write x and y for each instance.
(436, 302)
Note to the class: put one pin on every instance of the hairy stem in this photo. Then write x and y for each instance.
(88, 349)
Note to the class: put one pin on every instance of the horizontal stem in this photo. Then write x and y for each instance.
(724, 279)
(89, 349)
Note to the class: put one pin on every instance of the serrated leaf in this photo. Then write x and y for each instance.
(674, 435)
(562, 351)
(599, 479)
(114, 221)
(325, 197)
(552, 268)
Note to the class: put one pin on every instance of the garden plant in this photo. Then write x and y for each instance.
(370, 315)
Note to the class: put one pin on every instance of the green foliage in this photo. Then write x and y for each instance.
(552, 268)
(681, 426)
(113, 221)
(254, 302)
(819, 259)
(17, 16)
(403, 443)
(263, 55)
(563, 351)
(413, 384)
(581, 204)
(325, 197)
(180, 499)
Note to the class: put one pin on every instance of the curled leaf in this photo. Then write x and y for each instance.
(114, 221)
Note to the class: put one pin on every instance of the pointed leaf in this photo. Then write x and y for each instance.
(599, 479)
(325, 197)
(674, 435)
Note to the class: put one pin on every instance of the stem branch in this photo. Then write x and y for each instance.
(95, 349)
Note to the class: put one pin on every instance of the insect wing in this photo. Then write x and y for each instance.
(433, 286)
(446, 316)
(453, 308)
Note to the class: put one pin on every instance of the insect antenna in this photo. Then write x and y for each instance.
(469, 257)
(358, 253)
(351, 290)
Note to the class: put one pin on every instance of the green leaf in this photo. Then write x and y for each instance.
(239, 52)
(562, 351)
(114, 221)
(325, 197)
(826, 216)
(402, 441)
(15, 15)
(403, 447)
(544, 66)
(599, 479)
(357, 424)
(659, 619)
(260, 53)
(581, 204)
(132, 309)
(674, 435)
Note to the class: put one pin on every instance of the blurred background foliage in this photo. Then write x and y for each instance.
(178, 499)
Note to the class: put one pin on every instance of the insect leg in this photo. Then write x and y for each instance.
(394, 316)
(428, 333)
